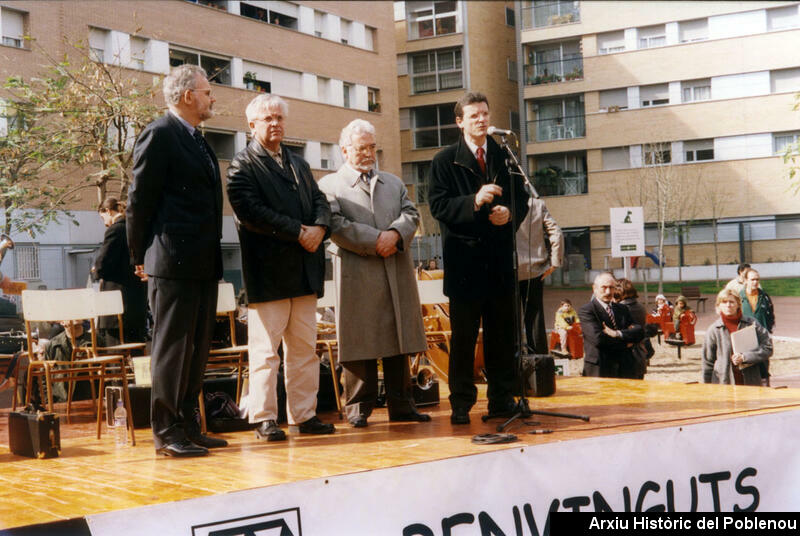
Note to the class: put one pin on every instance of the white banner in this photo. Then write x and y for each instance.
(750, 463)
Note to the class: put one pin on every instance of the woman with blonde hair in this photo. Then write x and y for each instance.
(720, 363)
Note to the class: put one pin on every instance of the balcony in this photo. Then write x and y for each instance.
(562, 128)
(543, 14)
(553, 71)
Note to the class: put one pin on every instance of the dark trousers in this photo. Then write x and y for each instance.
(531, 295)
(360, 380)
(623, 365)
(183, 320)
(497, 313)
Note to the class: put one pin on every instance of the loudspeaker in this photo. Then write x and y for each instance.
(539, 374)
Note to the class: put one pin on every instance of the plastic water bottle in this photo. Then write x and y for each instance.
(121, 425)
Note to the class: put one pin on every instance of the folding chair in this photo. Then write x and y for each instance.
(71, 305)
(107, 303)
(437, 325)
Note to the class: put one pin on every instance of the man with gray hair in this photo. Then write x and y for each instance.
(378, 313)
(282, 219)
(174, 227)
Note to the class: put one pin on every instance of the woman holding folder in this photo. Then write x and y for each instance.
(733, 344)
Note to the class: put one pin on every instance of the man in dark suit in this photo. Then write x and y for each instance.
(282, 218)
(470, 195)
(609, 333)
(174, 224)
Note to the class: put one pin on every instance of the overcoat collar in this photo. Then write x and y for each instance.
(190, 144)
(270, 162)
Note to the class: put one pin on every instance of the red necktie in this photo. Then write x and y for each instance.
(481, 161)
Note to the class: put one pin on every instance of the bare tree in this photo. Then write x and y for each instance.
(667, 192)
(96, 109)
(791, 155)
(714, 198)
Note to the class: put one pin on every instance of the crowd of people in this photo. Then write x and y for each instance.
(169, 237)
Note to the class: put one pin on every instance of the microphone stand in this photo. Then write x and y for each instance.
(523, 407)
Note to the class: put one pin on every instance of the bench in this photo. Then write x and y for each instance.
(693, 293)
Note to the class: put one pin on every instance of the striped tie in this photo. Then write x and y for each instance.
(611, 316)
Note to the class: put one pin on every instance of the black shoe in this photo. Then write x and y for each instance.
(182, 449)
(360, 422)
(412, 416)
(208, 441)
(269, 431)
(504, 409)
(459, 416)
(313, 426)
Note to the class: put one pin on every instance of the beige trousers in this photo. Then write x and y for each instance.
(293, 320)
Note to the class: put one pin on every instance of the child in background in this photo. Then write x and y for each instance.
(566, 319)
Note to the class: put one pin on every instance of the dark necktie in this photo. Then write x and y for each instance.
(201, 141)
(481, 160)
(366, 178)
(611, 316)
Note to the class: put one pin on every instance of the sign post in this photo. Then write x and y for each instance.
(627, 234)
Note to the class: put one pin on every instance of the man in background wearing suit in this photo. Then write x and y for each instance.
(378, 314)
(470, 195)
(282, 219)
(609, 333)
(174, 226)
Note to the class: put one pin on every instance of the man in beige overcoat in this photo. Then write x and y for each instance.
(378, 312)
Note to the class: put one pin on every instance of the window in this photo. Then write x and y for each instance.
(429, 19)
(326, 155)
(656, 155)
(699, 150)
(222, 143)
(369, 37)
(416, 175)
(345, 31)
(693, 30)
(652, 36)
(560, 174)
(511, 66)
(510, 17)
(138, 52)
(347, 89)
(614, 100)
(608, 43)
(557, 119)
(554, 62)
(318, 18)
(27, 262)
(13, 27)
(616, 158)
(97, 44)
(537, 13)
(655, 95)
(11, 118)
(782, 140)
(434, 126)
(695, 90)
(785, 80)
(373, 99)
(218, 69)
(436, 71)
(781, 18)
(323, 89)
(279, 13)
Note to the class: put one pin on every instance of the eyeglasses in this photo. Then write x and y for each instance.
(364, 148)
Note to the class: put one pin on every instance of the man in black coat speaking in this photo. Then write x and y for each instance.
(470, 195)
(174, 227)
(282, 218)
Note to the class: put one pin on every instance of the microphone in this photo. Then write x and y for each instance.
(494, 130)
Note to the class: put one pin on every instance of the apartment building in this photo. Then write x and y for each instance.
(610, 90)
(331, 61)
(445, 48)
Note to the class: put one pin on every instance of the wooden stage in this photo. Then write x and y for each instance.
(94, 476)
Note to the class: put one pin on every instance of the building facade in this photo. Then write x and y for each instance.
(331, 61)
(445, 48)
(694, 96)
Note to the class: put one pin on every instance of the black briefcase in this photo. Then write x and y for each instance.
(34, 434)
(539, 373)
